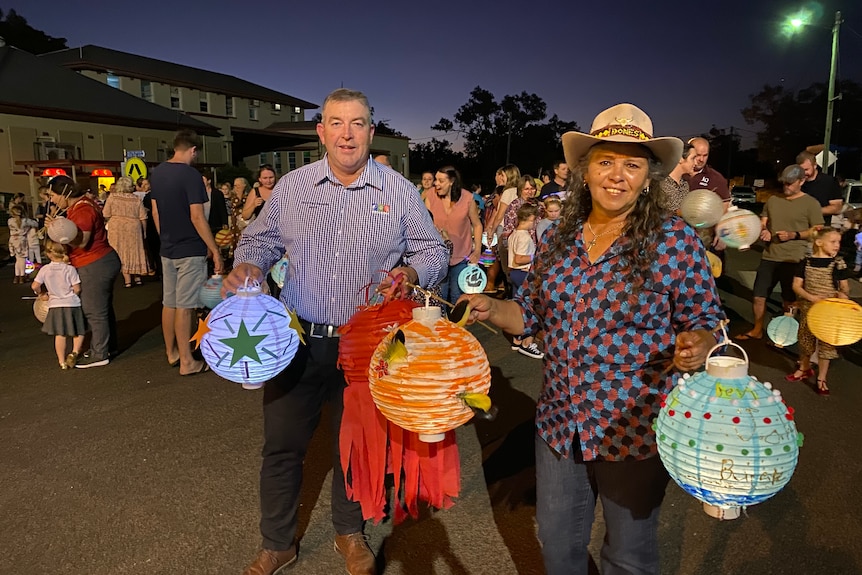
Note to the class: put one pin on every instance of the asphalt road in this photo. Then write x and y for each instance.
(132, 469)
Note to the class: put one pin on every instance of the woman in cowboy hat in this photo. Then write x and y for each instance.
(622, 292)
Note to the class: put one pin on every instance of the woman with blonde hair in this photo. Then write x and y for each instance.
(127, 228)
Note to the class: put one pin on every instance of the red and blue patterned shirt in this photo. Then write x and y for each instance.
(608, 343)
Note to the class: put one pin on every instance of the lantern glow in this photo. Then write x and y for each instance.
(739, 228)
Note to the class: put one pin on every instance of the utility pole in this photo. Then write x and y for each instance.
(830, 98)
(730, 154)
(509, 137)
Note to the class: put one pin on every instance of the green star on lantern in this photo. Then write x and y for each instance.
(243, 345)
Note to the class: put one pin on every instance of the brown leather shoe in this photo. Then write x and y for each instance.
(269, 562)
(358, 556)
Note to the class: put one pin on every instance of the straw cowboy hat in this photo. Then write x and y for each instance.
(622, 123)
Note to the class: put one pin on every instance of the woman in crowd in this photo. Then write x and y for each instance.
(509, 175)
(526, 194)
(127, 229)
(98, 266)
(257, 198)
(215, 209)
(615, 318)
(457, 217)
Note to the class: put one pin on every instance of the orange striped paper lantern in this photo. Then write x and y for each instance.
(423, 390)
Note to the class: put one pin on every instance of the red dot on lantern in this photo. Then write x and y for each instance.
(707, 415)
(688, 414)
(767, 420)
(662, 404)
(789, 417)
(790, 410)
(735, 420)
(671, 413)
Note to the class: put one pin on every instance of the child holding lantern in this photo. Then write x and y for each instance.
(65, 317)
(823, 275)
(522, 248)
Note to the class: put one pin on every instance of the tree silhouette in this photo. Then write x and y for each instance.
(15, 30)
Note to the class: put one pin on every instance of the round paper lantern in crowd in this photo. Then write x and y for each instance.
(278, 272)
(224, 238)
(487, 258)
(836, 321)
(247, 338)
(783, 330)
(421, 372)
(739, 228)
(210, 292)
(62, 230)
(472, 279)
(726, 438)
(702, 208)
(40, 309)
(714, 263)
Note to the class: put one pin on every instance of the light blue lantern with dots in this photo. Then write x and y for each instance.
(472, 279)
(726, 438)
(783, 330)
(210, 292)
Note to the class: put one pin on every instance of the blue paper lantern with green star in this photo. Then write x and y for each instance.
(248, 339)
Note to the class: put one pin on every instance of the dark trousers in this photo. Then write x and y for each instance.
(97, 303)
(292, 402)
(566, 491)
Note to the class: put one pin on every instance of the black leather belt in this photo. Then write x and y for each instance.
(319, 330)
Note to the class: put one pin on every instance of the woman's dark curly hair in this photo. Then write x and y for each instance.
(639, 235)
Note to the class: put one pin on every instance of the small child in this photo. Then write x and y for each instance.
(823, 275)
(553, 207)
(522, 248)
(65, 317)
(19, 247)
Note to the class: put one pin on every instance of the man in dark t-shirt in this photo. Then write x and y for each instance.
(822, 187)
(178, 197)
(705, 177)
(557, 186)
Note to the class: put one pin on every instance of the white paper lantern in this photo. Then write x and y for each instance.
(702, 208)
(62, 230)
(739, 228)
(248, 339)
(40, 309)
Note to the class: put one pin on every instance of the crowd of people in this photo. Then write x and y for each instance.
(571, 276)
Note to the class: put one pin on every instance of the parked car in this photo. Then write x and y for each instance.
(740, 195)
(851, 212)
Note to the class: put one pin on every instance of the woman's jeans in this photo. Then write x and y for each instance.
(449, 289)
(97, 303)
(566, 490)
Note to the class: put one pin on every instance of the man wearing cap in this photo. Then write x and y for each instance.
(787, 220)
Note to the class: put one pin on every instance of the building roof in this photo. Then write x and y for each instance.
(31, 86)
(124, 64)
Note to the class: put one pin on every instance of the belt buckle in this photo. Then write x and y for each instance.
(323, 330)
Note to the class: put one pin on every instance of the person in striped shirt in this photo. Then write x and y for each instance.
(343, 222)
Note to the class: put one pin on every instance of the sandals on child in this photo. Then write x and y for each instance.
(821, 387)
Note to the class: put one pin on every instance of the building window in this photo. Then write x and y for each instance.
(276, 108)
(176, 103)
(253, 106)
(113, 80)
(205, 102)
(262, 159)
(297, 110)
(277, 161)
(306, 158)
(146, 91)
(228, 106)
(291, 160)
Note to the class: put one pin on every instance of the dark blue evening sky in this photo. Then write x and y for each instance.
(688, 64)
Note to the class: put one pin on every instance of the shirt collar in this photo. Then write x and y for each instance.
(372, 175)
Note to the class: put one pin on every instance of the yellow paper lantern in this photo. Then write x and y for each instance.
(423, 390)
(714, 264)
(836, 321)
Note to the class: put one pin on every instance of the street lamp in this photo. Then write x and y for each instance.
(797, 22)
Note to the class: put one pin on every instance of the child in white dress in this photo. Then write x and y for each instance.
(65, 319)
